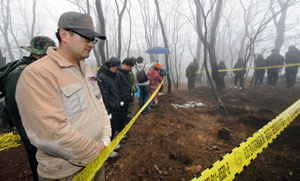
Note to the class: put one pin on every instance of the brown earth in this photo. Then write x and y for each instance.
(177, 144)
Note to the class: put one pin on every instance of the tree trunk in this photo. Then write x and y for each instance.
(2, 59)
(120, 17)
(5, 13)
(211, 45)
(130, 29)
(102, 31)
(280, 29)
(33, 19)
(165, 43)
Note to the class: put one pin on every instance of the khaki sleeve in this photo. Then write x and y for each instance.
(106, 121)
(42, 111)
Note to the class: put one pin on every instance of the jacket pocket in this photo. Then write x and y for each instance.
(74, 99)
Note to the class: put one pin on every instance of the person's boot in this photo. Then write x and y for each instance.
(113, 154)
(117, 147)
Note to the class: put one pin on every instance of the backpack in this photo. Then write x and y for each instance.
(141, 75)
(7, 124)
(4, 71)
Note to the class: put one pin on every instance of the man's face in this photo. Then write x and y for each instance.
(126, 67)
(79, 47)
(114, 69)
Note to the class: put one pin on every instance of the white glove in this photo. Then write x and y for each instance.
(106, 140)
(121, 103)
(109, 116)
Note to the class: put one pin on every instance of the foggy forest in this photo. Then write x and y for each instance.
(188, 129)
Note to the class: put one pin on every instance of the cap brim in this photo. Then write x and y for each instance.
(89, 33)
(33, 50)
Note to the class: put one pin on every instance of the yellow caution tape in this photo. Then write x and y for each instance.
(238, 69)
(92, 168)
(233, 163)
(95, 68)
(9, 140)
(246, 68)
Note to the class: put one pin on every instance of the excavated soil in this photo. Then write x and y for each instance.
(177, 144)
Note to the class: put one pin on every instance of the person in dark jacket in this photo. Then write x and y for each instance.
(110, 93)
(37, 48)
(272, 60)
(259, 73)
(125, 88)
(222, 66)
(291, 57)
(162, 72)
(239, 74)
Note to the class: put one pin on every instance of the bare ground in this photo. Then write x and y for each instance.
(166, 143)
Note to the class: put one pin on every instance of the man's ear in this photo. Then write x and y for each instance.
(64, 35)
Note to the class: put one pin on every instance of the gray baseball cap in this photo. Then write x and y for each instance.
(80, 23)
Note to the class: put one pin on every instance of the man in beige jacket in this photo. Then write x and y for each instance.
(61, 105)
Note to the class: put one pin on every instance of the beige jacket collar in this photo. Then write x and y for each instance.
(61, 61)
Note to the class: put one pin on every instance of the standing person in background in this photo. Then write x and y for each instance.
(141, 71)
(259, 73)
(133, 91)
(191, 71)
(292, 56)
(38, 48)
(222, 66)
(239, 74)
(125, 88)
(154, 79)
(110, 91)
(162, 72)
(272, 60)
(60, 103)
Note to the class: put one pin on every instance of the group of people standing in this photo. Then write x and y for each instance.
(292, 56)
(273, 63)
(117, 82)
(64, 113)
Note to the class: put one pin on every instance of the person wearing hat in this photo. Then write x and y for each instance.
(272, 60)
(111, 93)
(292, 56)
(125, 88)
(66, 120)
(38, 48)
(155, 79)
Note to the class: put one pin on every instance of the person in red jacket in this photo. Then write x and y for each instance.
(155, 79)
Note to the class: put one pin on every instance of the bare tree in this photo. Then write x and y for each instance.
(150, 26)
(210, 45)
(2, 59)
(254, 33)
(130, 29)
(6, 21)
(102, 31)
(280, 23)
(178, 48)
(33, 19)
(120, 17)
(165, 43)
